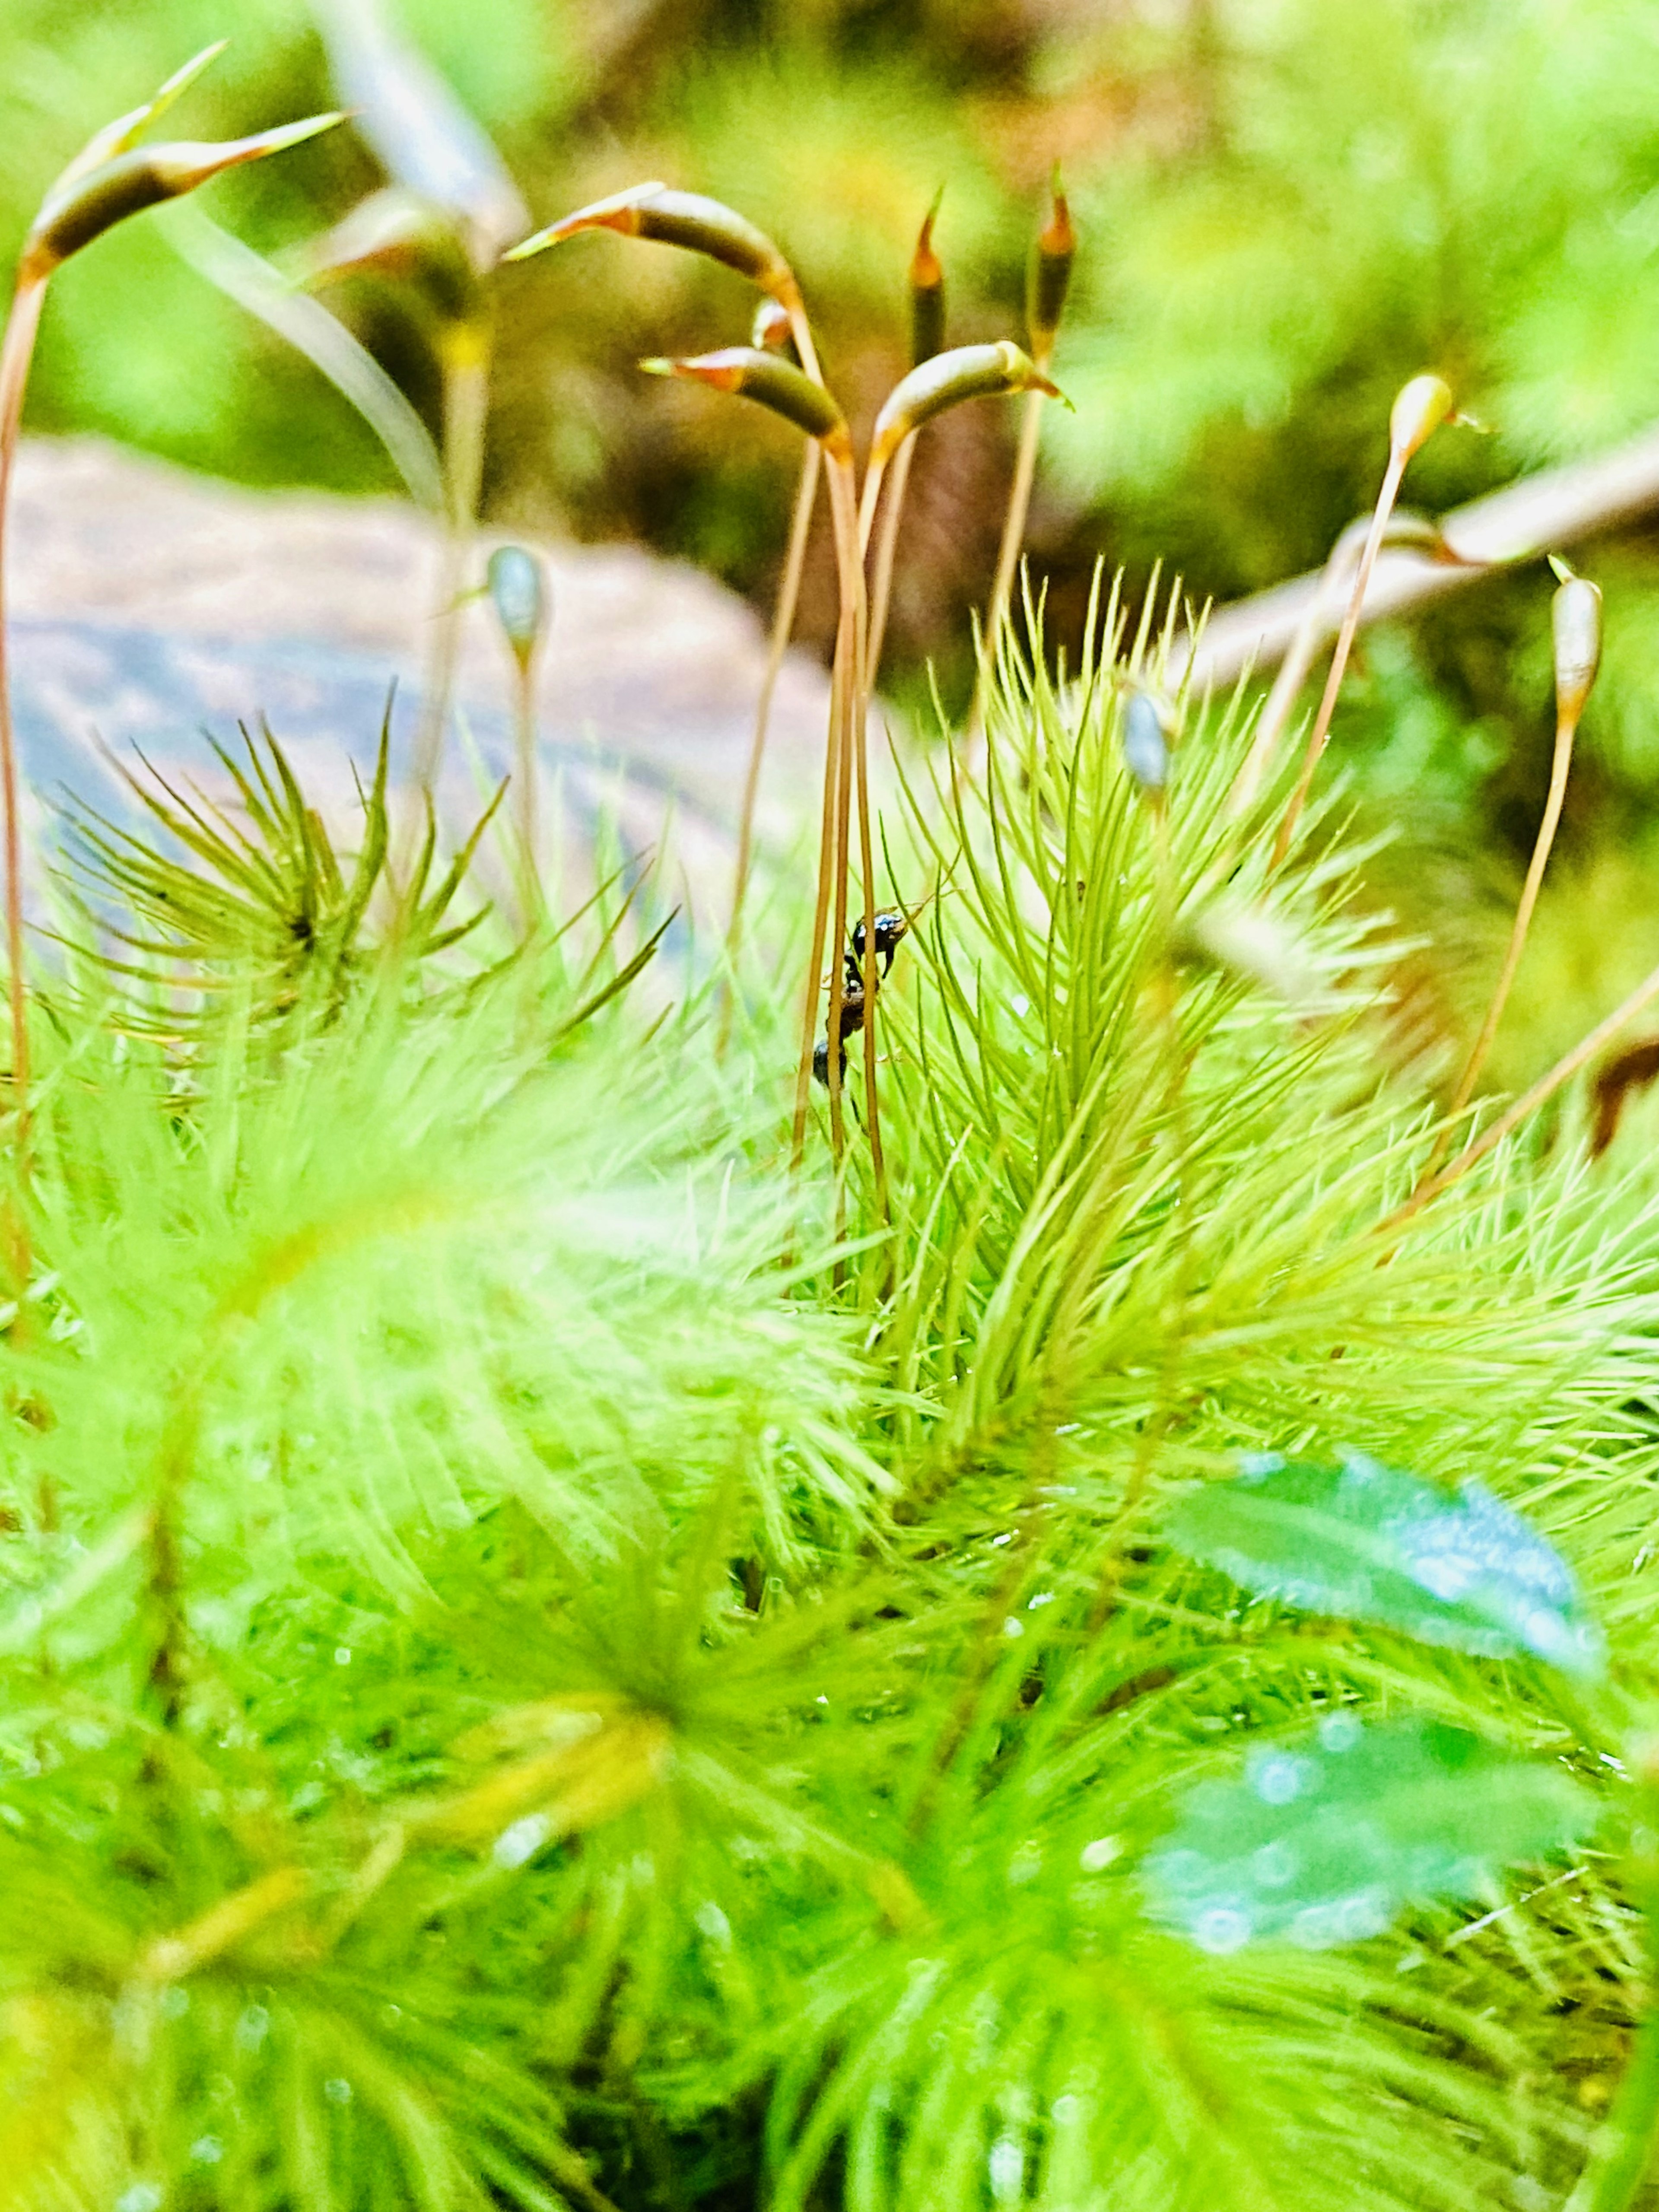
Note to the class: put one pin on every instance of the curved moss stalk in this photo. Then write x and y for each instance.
(1405, 532)
(1529, 1101)
(1578, 626)
(926, 282)
(1421, 407)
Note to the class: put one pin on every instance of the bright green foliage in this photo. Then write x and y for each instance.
(264, 904)
(515, 1690)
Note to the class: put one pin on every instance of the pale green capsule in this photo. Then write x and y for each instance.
(1575, 626)
(75, 213)
(779, 385)
(673, 218)
(975, 372)
(518, 591)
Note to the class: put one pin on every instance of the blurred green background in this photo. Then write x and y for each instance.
(1288, 207)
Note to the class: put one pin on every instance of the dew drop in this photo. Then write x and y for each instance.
(1221, 1929)
(521, 1841)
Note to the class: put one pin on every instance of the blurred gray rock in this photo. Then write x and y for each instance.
(150, 606)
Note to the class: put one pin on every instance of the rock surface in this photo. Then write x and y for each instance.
(149, 605)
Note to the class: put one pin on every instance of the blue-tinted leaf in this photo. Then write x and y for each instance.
(1326, 1840)
(1369, 1543)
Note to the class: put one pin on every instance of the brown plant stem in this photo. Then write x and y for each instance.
(1287, 685)
(820, 921)
(867, 871)
(850, 642)
(886, 544)
(1546, 1087)
(1398, 458)
(1013, 538)
(16, 352)
(1566, 730)
(529, 811)
(1558, 508)
(783, 624)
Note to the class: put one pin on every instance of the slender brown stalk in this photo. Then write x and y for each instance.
(1577, 625)
(801, 330)
(525, 766)
(843, 502)
(1013, 528)
(820, 920)
(783, 624)
(1288, 682)
(1339, 668)
(1565, 732)
(863, 663)
(1545, 1089)
(16, 351)
(1421, 407)
(1406, 532)
(882, 585)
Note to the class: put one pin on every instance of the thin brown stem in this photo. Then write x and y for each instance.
(801, 330)
(1565, 731)
(820, 925)
(1398, 458)
(846, 651)
(527, 765)
(1013, 539)
(855, 529)
(16, 352)
(886, 544)
(1546, 1087)
(783, 624)
(1287, 686)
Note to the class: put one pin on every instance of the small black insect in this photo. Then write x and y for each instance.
(891, 924)
(852, 1020)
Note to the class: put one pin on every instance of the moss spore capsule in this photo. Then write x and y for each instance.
(83, 207)
(518, 591)
(1051, 276)
(778, 385)
(692, 220)
(975, 372)
(1576, 628)
(397, 235)
(1421, 407)
(927, 292)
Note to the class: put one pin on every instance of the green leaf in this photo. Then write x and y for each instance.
(1325, 1841)
(1369, 1543)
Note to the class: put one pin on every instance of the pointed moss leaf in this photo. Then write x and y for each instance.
(1368, 1542)
(1326, 1841)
